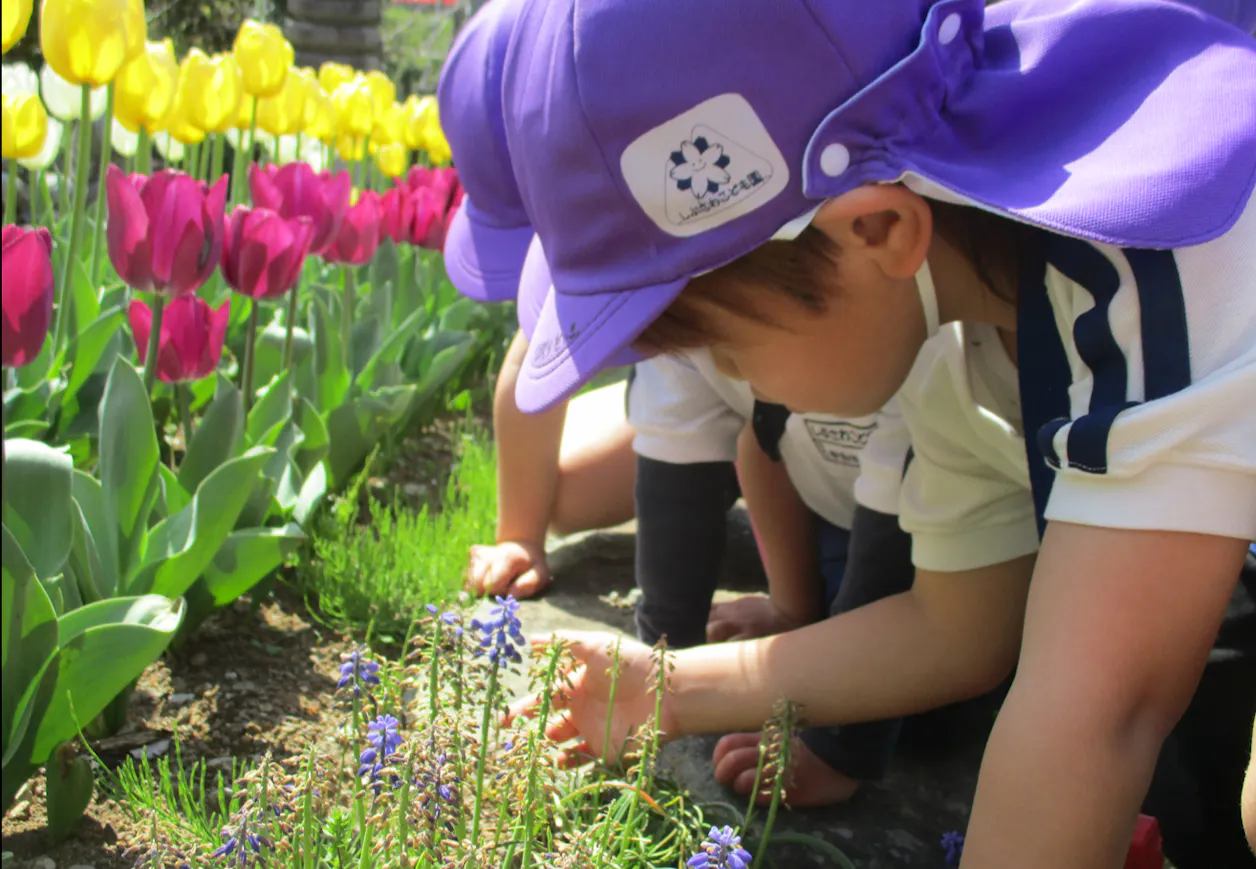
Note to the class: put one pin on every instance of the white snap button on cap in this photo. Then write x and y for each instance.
(949, 29)
(834, 160)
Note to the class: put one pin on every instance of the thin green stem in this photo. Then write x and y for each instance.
(36, 203)
(782, 770)
(215, 158)
(106, 154)
(10, 195)
(202, 168)
(349, 303)
(45, 198)
(489, 699)
(183, 396)
(246, 382)
(534, 759)
(67, 148)
(154, 344)
(144, 152)
(252, 132)
(192, 159)
(291, 323)
(65, 310)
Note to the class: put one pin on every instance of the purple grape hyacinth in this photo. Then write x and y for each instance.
(953, 842)
(450, 618)
(385, 740)
(357, 670)
(501, 633)
(721, 850)
(241, 844)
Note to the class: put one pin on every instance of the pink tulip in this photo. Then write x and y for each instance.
(190, 344)
(393, 207)
(27, 266)
(434, 198)
(262, 253)
(165, 230)
(358, 236)
(294, 190)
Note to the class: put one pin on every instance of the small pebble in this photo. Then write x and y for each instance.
(219, 763)
(153, 749)
(231, 674)
(44, 862)
(180, 699)
(245, 685)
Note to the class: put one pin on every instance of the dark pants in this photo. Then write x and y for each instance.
(681, 534)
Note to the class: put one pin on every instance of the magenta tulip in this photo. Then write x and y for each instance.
(295, 190)
(27, 266)
(394, 205)
(165, 230)
(262, 253)
(190, 344)
(434, 198)
(358, 236)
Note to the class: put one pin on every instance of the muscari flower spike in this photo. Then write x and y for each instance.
(450, 618)
(385, 741)
(357, 671)
(240, 845)
(721, 850)
(953, 843)
(439, 797)
(501, 633)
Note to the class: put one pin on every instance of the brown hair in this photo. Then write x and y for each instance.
(804, 270)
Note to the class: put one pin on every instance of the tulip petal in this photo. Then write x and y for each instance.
(265, 193)
(174, 203)
(141, 318)
(27, 298)
(126, 233)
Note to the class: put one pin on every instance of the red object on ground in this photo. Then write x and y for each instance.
(1146, 848)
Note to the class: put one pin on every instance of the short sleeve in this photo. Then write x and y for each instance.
(678, 416)
(882, 462)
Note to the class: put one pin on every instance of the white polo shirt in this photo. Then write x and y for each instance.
(1157, 428)
(685, 411)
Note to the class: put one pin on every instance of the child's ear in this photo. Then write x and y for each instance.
(885, 222)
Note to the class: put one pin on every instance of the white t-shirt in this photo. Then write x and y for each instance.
(685, 411)
(1157, 429)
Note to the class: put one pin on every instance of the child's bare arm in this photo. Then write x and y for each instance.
(527, 477)
(783, 525)
(1118, 627)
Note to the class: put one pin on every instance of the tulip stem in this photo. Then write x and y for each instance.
(36, 203)
(106, 155)
(291, 324)
(350, 302)
(144, 152)
(10, 195)
(202, 171)
(246, 382)
(65, 309)
(185, 414)
(191, 160)
(215, 159)
(154, 344)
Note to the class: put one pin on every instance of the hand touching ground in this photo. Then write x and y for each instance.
(582, 711)
(747, 618)
(517, 568)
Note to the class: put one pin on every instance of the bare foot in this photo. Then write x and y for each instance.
(811, 781)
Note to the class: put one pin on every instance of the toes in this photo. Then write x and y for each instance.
(732, 742)
(735, 764)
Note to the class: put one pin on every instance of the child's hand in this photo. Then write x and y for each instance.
(579, 709)
(517, 568)
(747, 618)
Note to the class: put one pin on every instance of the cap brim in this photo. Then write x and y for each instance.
(573, 337)
(484, 261)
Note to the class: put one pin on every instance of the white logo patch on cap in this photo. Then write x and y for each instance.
(705, 167)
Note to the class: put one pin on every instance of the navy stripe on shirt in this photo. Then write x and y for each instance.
(1044, 369)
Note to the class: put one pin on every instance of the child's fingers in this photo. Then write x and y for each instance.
(561, 727)
(717, 631)
(577, 755)
(528, 584)
(500, 574)
(524, 707)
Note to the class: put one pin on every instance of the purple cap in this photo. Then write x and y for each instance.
(655, 140)
(489, 235)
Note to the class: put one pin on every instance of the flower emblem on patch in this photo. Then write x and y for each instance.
(700, 167)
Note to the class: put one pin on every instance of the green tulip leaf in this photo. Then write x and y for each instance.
(69, 790)
(105, 646)
(172, 497)
(443, 366)
(88, 348)
(29, 644)
(86, 307)
(180, 546)
(26, 428)
(217, 438)
(311, 496)
(388, 352)
(37, 484)
(90, 498)
(128, 459)
(314, 443)
(85, 567)
(272, 411)
(359, 424)
(457, 316)
(329, 357)
(247, 557)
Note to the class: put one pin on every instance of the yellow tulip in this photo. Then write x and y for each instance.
(389, 125)
(391, 160)
(332, 75)
(419, 111)
(353, 108)
(282, 114)
(264, 57)
(178, 118)
(25, 126)
(17, 14)
(212, 89)
(434, 141)
(317, 118)
(383, 91)
(87, 41)
(350, 148)
(144, 87)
